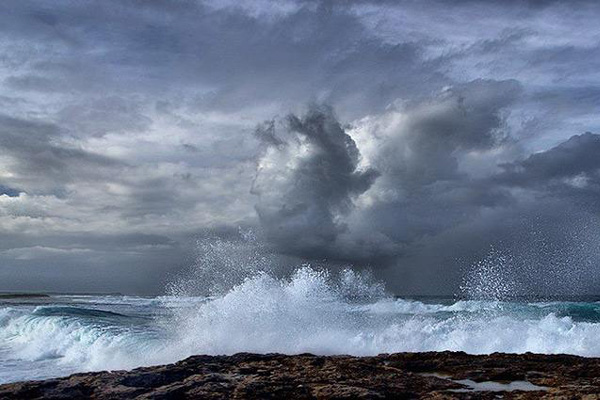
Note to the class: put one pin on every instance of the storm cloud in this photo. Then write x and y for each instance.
(411, 182)
(402, 136)
(574, 162)
(307, 180)
(437, 167)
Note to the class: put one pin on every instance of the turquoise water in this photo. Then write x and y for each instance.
(62, 334)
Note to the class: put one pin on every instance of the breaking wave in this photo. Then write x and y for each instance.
(311, 311)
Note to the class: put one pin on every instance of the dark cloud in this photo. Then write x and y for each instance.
(307, 180)
(42, 162)
(568, 173)
(425, 185)
(538, 215)
(5, 190)
(431, 198)
(308, 183)
(428, 146)
(577, 157)
(133, 120)
(232, 59)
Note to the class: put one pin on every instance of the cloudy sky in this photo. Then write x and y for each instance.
(407, 137)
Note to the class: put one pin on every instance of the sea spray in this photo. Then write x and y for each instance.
(308, 312)
(490, 278)
(258, 309)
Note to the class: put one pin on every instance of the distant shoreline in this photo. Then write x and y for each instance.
(447, 375)
(22, 295)
(9, 295)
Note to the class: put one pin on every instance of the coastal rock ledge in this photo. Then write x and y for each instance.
(445, 375)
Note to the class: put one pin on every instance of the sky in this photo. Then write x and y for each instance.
(410, 138)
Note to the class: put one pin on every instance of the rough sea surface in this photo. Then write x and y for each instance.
(56, 335)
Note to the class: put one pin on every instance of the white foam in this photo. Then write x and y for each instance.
(309, 312)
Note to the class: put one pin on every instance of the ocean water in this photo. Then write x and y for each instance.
(311, 311)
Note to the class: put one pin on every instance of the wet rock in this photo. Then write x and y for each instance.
(305, 376)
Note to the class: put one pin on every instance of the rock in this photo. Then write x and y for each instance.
(445, 375)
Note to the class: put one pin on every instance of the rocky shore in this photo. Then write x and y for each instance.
(446, 375)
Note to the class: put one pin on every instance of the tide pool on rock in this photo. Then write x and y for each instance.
(444, 375)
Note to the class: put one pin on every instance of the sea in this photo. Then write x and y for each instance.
(52, 335)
